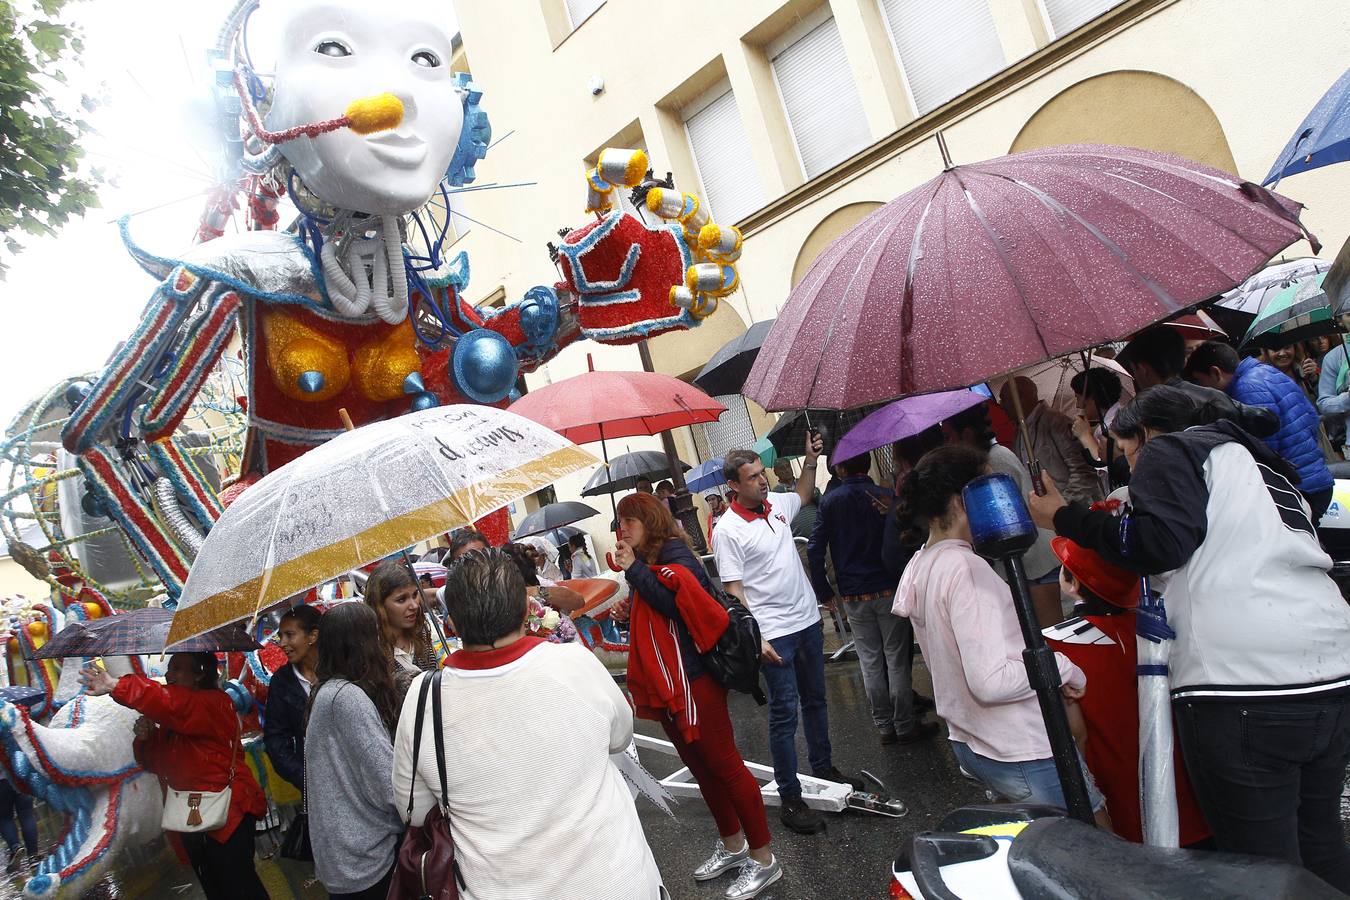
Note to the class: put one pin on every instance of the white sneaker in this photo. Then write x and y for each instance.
(721, 860)
(753, 879)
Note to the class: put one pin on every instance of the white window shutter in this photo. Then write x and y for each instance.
(733, 430)
(943, 55)
(729, 179)
(821, 100)
(579, 11)
(1066, 15)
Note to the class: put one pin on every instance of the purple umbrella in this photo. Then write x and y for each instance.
(992, 267)
(904, 418)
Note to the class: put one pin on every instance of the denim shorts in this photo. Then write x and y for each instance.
(1031, 781)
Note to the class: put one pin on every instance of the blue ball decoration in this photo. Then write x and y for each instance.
(1000, 524)
(485, 366)
(76, 391)
(92, 505)
(539, 316)
(424, 400)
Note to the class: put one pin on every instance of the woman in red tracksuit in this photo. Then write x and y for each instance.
(188, 735)
(690, 705)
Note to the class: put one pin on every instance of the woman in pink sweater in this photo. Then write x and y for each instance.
(963, 616)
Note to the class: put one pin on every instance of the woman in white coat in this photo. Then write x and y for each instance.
(535, 806)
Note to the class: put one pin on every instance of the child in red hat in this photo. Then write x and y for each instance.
(1100, 640)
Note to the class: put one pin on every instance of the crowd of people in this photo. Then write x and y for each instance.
(1207, 482)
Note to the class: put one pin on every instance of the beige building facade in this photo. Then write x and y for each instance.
(795, 118)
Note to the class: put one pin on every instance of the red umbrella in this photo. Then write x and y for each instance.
(600, 406)
(992, 267)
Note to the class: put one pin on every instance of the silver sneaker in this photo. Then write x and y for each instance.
(721, 860)
(753, 879)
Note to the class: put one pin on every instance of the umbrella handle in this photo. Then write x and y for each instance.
(609, 561)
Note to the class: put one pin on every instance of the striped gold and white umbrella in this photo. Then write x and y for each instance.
(362, 496)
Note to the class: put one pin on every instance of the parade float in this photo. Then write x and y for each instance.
(336, 296)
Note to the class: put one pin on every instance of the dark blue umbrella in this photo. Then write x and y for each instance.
(1322, 139)
(705, 476)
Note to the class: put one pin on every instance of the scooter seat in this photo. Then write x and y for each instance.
(1058, 858)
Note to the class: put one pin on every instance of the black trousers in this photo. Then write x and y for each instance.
(1269, 775)
(226, 871)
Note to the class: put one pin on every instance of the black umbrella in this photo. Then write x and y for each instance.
(788, 435)
(555, 515)
(559, 536)
(137, 632)
(624, 471)
(726, 372)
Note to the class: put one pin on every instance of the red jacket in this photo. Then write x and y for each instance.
(656, 677)
(191, 750)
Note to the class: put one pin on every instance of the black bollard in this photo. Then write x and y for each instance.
(1001, 529)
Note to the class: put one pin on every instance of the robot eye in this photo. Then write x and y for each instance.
(426, 59)
(332, 48)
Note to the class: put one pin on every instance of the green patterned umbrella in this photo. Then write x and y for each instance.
(768, 453)
(1299, 312)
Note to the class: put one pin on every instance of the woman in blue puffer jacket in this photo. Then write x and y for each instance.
(1217, 365)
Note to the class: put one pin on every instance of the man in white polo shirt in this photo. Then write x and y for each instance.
(757, 562)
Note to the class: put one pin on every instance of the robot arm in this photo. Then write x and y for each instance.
(165, 362)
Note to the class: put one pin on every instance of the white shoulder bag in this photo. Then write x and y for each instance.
(194, 811)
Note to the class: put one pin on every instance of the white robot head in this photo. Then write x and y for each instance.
(332, 52)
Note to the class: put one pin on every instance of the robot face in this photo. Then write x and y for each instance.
(332, 52)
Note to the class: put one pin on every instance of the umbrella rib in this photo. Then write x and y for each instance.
(882, 233)
(1001, 251)
(1055, 206)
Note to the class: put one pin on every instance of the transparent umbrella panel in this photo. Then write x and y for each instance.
(362, 496)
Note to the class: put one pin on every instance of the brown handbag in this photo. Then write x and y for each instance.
(426, 868)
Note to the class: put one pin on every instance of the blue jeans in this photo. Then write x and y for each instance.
(11, 802)
(800, 679)
(1030, 781)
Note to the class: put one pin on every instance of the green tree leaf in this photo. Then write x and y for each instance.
(41, 181)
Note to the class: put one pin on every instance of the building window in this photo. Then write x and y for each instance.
(943, 54)
(823, 108)
(1066, 15)
(726, 171)
(579, 11)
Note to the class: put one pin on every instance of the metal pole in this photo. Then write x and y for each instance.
(683, 500)
(1033, 464)
(1043, 675)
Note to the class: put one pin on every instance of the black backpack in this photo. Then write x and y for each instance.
(734, 661)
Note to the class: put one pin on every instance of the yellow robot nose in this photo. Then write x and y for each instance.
(378, 113)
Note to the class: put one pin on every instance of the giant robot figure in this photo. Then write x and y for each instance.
(363, 125)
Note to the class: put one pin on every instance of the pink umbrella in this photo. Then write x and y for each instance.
(992, 267)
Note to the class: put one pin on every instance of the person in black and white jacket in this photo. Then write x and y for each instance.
(1260, 670)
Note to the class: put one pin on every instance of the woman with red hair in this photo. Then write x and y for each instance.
(674, 618)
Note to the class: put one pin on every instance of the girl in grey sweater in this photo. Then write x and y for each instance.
(354, 827)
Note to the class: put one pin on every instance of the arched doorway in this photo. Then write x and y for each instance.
(1131, 109)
